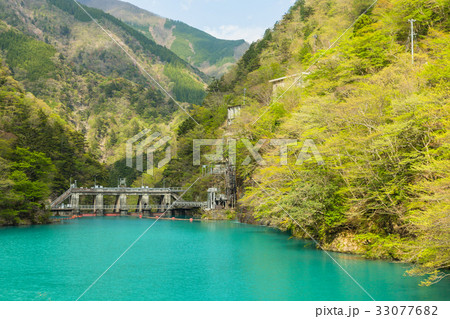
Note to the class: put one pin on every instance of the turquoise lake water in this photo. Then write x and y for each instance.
(178, 260)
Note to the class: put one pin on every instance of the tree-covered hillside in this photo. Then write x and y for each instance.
(39, 154)
(91, 99)
(64, 25)
(211, 55)
(379, 121)
(65, 59)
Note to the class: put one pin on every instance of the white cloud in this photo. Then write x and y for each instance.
(234, 32)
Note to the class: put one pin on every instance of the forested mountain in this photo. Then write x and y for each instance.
(379, 121)
(211, 55)
(65, 59)
(70, 99)
(39, 154)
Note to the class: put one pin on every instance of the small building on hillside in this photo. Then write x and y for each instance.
(284, 81)
(233, 113)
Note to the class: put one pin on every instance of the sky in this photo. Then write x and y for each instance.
(224, 19)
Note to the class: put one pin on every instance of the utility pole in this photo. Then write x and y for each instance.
(412, 39)
(245, 91)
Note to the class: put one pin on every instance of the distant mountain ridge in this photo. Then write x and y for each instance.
(212, 56)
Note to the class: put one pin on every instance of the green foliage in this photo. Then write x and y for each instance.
(99, 91)
(39, 153)
(427, 13)
(305, 53)
(315, 202)
(73, 9)
(250, 61)
(181, 170)
(369, 51)
(25, 53)
(211, 55)
(380, 123)
(184, 89)
(139, 43)
(146, 44)
(300, 8)
(25, 186)
(206, 47)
